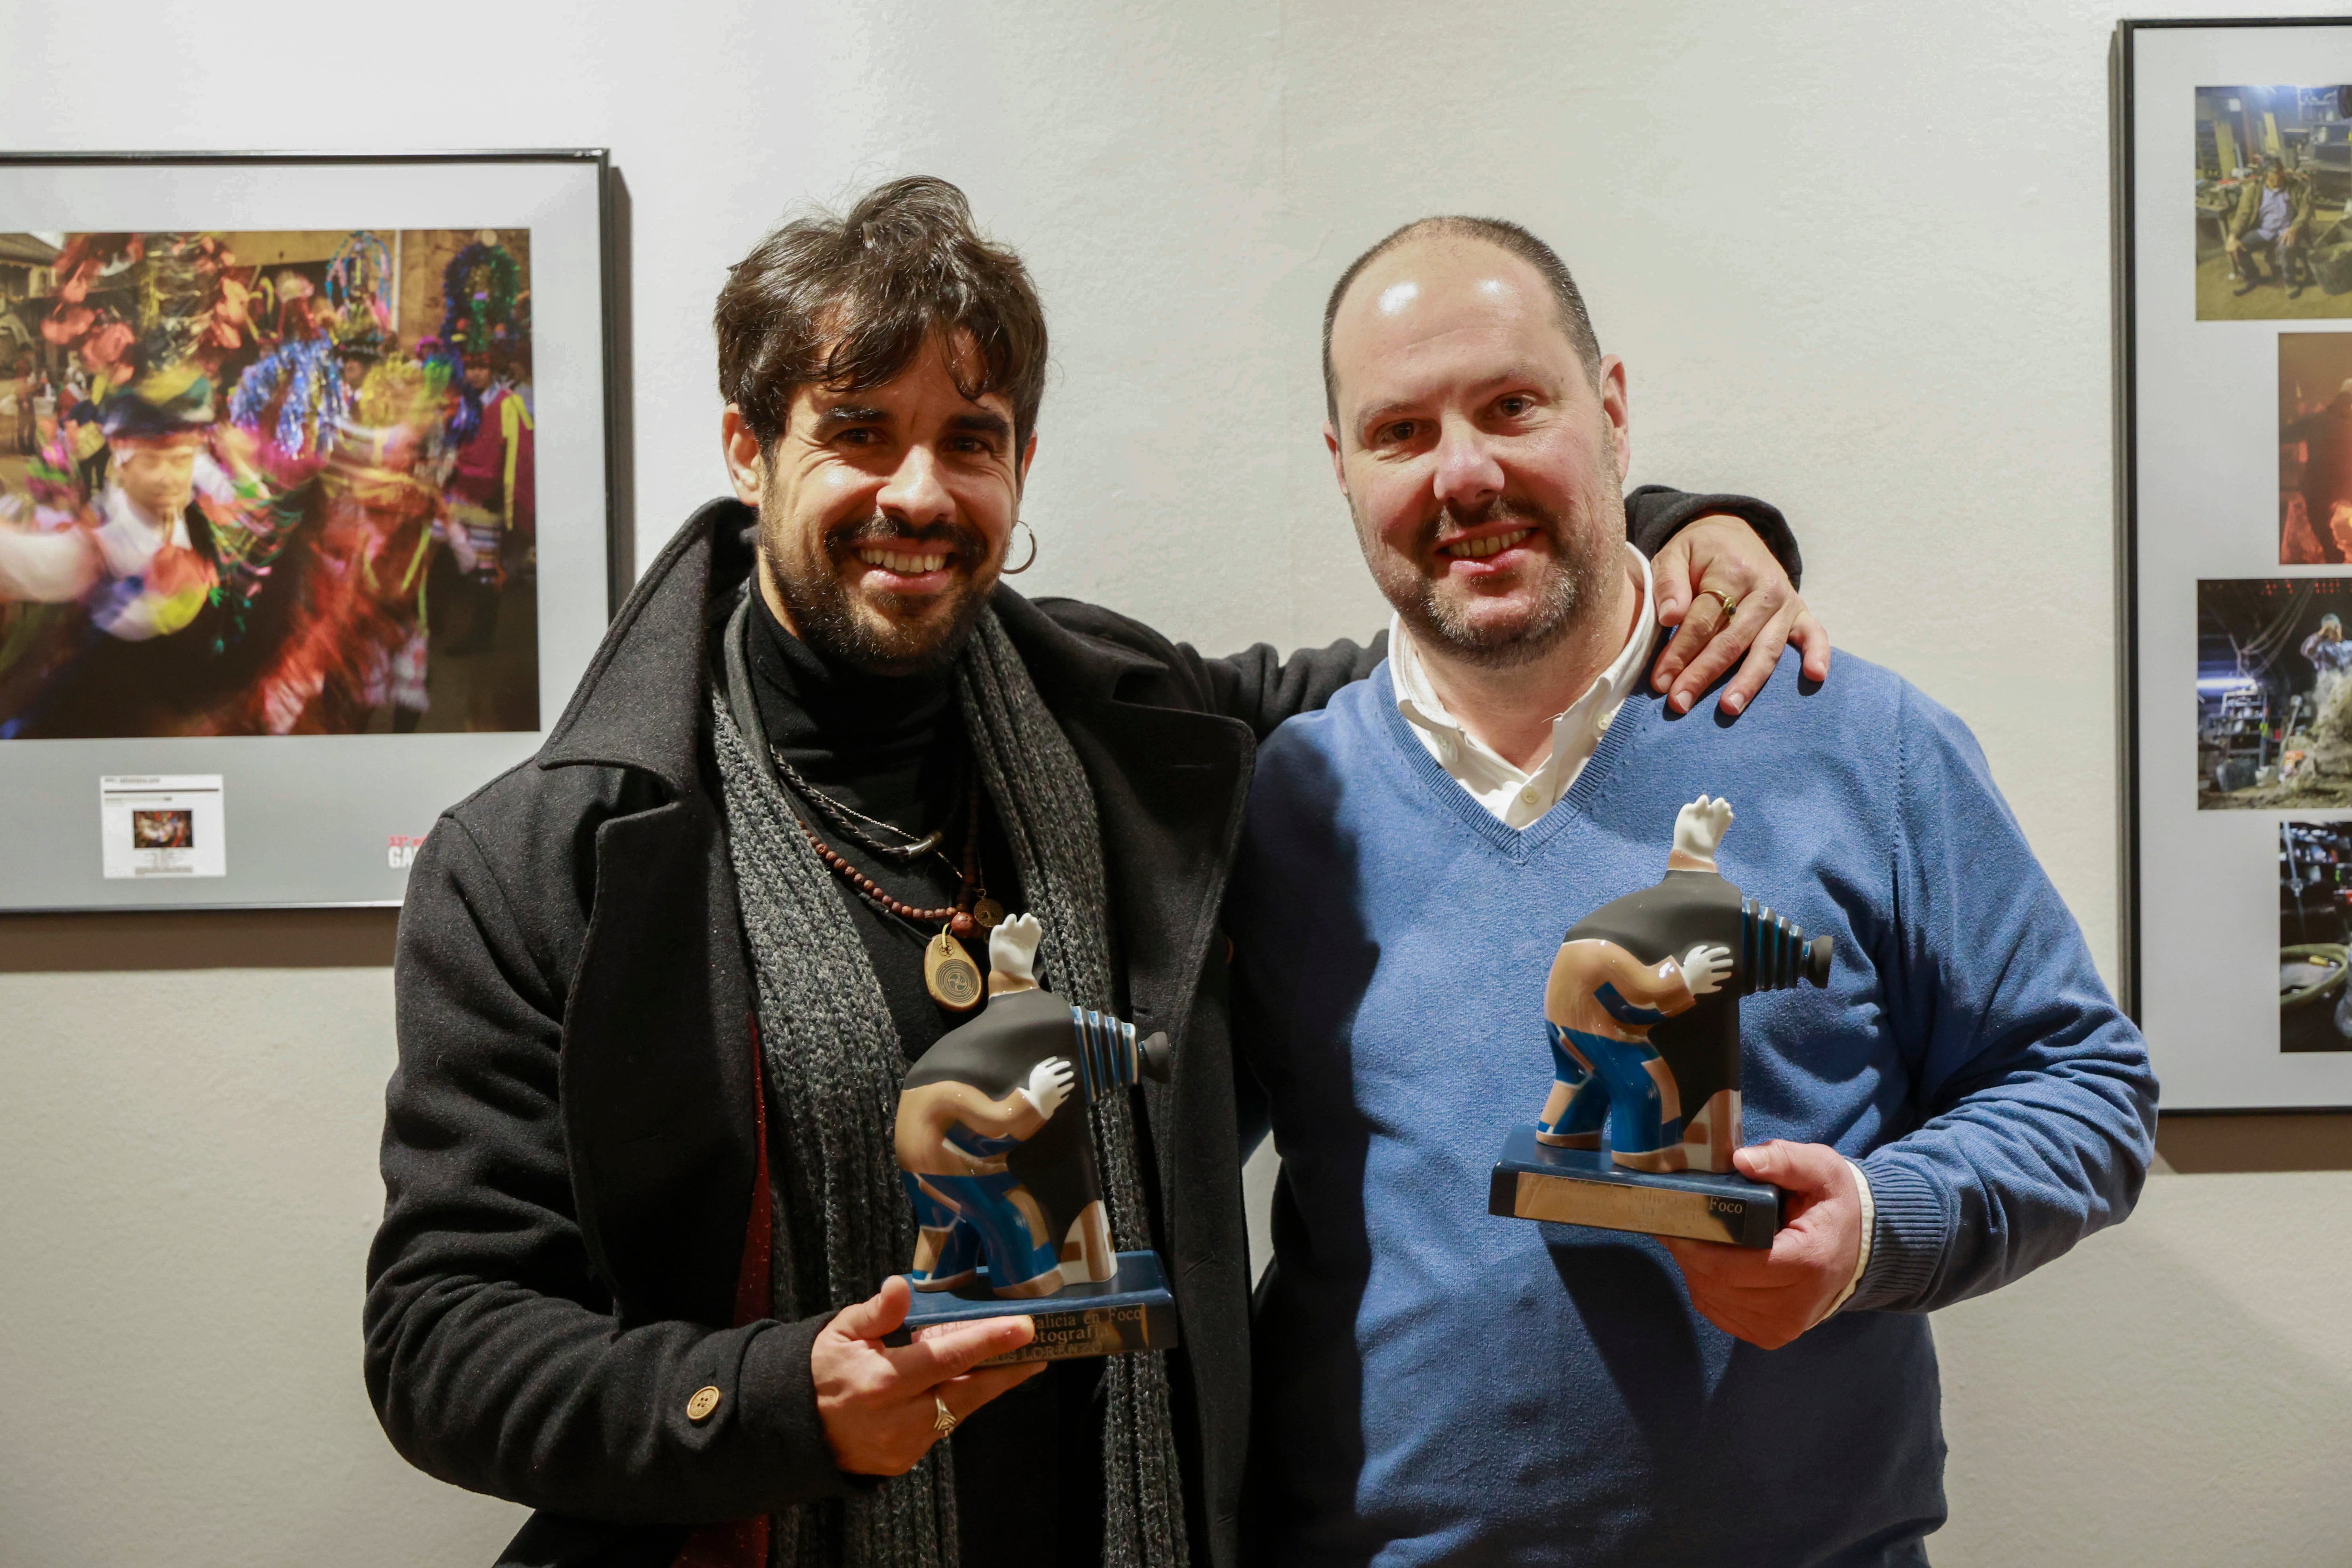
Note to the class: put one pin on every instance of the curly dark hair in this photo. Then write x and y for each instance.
(848, 301)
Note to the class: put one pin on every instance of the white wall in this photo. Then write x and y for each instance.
(1856, 256)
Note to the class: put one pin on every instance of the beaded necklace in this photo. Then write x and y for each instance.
(949, 974)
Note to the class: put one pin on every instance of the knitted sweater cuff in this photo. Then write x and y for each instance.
(1912, 1228)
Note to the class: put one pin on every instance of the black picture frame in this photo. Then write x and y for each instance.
(611, 517)
(2135, 912)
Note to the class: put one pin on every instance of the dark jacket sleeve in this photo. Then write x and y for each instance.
(1655, 513)
(494, 1358)
(1261, 687)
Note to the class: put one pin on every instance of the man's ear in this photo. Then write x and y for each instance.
(1028, 455)
(747, 466)
(1331, 444)
(1619, 415)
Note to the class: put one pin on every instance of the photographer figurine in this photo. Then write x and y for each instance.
(993, 1134)
(1690, 946)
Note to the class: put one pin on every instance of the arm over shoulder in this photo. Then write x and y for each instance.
(1262, 687)
(494, 1358)
(2037, 1103)
(1655, 513)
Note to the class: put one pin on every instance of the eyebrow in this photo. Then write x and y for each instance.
(982, 424)
(1530, 374)
(850, 413)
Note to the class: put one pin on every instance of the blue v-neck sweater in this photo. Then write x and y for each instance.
(1435, 1384)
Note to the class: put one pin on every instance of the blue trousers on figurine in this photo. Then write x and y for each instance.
(1620, 1088)
(984, 1224)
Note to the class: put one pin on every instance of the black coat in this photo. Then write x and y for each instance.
(569, 1148)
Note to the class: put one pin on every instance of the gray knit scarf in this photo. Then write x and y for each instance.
(834, 1065)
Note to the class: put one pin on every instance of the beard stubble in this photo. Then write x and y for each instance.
(1574, 576)
(829, 617)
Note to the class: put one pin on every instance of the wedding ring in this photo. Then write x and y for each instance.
(1730, 607)
(947, 1417)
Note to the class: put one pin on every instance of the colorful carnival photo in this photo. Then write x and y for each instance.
(267, 483)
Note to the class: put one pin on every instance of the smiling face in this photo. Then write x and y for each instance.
(1481, 461)
(883, 513)
(158, 473)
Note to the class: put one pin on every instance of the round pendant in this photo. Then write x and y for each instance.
(988, 913)
(950, 975)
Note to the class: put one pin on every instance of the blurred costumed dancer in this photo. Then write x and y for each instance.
(350, 426)
(136, 591)
(491, 483)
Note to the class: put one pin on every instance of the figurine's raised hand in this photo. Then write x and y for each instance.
(1050, 1082)
(1699, 827)
(1012, 948)
(1706, 968)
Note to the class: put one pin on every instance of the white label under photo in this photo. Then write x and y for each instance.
(161, 825)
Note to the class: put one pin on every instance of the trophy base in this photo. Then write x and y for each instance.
(1132, 1311)
(1585, 1187)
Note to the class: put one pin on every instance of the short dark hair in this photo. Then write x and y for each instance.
(848, 301)
(1500, 233)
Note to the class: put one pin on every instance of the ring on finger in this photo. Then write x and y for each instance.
(1730, 606)
(946, 1421)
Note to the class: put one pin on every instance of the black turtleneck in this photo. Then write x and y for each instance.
(893, 748)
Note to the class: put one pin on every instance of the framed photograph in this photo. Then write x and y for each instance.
(305, 518)
(2233, 288)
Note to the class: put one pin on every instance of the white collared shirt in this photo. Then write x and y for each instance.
(1517, 796)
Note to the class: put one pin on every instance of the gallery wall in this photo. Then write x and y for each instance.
(1856, 259)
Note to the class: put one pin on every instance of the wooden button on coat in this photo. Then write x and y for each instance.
(704, 1401)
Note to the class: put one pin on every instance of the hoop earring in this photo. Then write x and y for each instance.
(1023, 522)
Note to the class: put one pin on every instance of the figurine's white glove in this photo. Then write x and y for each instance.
(1698, 826)
(1706, 968)
(1050, 1082)
(1013, 947)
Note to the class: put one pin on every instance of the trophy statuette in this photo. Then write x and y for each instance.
(996, 1153)
(1641, 1006)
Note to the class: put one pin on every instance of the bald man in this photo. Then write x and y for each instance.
(1962, 1102)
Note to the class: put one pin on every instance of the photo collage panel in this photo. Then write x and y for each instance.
(2274, 225)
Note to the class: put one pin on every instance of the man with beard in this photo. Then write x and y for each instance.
(1961, 1103)
(644, 1228)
